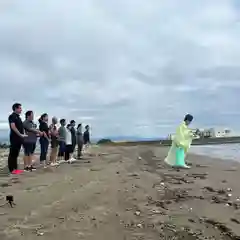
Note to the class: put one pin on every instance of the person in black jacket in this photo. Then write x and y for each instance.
(74, 135)
(86, 135)
(16, 137)
(86, 138)
(79, 141)
(44, 139)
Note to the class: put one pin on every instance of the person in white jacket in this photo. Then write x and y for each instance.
(68, 147)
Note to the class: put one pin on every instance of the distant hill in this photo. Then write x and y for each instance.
(4, 137)
(127, 138)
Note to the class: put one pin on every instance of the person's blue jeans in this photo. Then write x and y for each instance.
(44, 148)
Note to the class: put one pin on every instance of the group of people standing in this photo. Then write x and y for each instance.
(63, 140)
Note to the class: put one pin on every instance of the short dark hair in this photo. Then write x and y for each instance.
(28, 113)
(69, 125)
(62, 121)
(79, 125)
(188, 117)
(87, 126)
(42, 117)
(16, 106)
(72, 121)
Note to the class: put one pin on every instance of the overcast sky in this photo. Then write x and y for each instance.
(126, 67)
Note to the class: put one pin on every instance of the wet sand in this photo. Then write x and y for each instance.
(124, 193)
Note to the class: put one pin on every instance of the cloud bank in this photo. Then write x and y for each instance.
(124, 67)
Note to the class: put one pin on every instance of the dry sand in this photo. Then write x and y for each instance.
(124, 193)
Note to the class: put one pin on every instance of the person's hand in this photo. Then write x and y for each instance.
(46, 136)
(24, 135)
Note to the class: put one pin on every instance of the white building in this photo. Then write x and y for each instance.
(222, 132)
(208, 133)
(215, 132)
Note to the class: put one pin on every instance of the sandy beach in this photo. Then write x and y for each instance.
(124, 193)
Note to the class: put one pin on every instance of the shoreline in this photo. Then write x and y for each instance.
(128, 190)
(168, 142)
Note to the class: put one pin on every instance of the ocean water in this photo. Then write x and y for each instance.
(224, 151)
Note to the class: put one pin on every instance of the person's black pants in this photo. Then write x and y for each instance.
(15, 148)
(68, 151)
(44, 143)
(73, 147)
(80, 147)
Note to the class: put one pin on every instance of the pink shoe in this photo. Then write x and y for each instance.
(17, 171)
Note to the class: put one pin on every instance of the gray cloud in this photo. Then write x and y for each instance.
(126, 67)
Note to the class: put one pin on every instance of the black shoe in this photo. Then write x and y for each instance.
(27, 169)
(33, 168)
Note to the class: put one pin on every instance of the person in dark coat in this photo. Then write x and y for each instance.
(79, 140)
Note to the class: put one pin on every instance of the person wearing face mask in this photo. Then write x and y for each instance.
(180, 144)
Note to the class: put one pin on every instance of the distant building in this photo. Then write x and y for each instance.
(222, 132)
(208, 133)
(212, 133)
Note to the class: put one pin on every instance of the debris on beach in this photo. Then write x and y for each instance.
(40, 233)
(235, 220)
(221, 227)
(197, 175)
(137, 213)
(158, 204)
(133, 174)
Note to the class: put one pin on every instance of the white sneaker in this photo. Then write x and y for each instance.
(71, 160)
(44, 164)
(61, 161)
(186, 166)
(54, 164)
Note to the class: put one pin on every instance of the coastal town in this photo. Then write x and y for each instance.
(210, 133)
